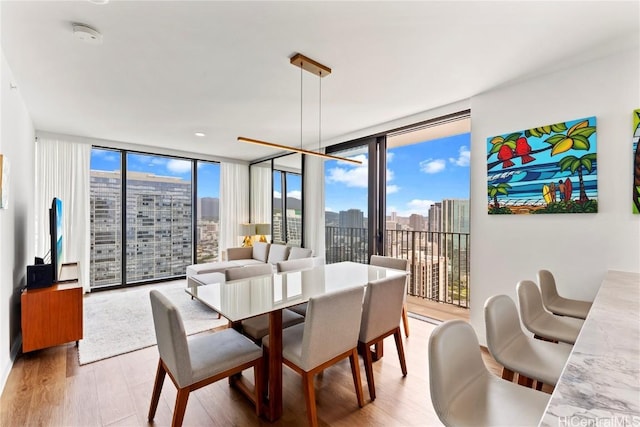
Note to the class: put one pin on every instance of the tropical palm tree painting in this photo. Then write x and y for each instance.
(636, 161)
(548, 169)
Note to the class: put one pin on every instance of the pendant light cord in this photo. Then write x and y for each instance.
(300, 105)
(319, 110)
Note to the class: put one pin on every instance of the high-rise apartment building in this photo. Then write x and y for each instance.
(455, 216)
(158, 240)
(435, 217)
(352, 218)
(416, 222)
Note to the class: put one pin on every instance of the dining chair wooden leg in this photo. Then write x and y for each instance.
(157, 388)
(355, 371)
(181, 407)
(258, 374)
(507, 374)
(310, 398)
(378, 351)
(405, 320)
(400, 347)
(368, 369)
(265, 374)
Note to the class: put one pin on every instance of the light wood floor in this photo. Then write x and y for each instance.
(49, 388)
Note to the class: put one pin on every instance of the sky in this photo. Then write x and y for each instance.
(417, 176)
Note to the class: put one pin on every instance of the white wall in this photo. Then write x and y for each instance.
(16, 222)
(577, 248)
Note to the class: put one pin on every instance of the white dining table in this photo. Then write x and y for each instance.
(242, 299)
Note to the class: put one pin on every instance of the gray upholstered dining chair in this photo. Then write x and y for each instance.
(194, 362)
(533, 359)
(398, 264)
(383, 300)
(539, 321)
(257, 327)
(557, 304)
(328, 335)
(296, 264)
(465, 393)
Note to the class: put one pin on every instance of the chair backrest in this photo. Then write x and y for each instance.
(171, 338)
(389, 262)
(530, 302)
(454, 362)
(277, 253)
(382, 307)
(331, 326)
(261, 251)
(248, 271)
(295, 265)
(547, 287)
(297, 253)
(501, 323)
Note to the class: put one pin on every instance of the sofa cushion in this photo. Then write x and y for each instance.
(278, 253)
(210, 267)
(297, 253)
(260, 251)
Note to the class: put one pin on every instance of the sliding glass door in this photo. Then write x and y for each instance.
(347, 206)
(409, 199)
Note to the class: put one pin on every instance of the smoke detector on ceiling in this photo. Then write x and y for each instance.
(86, 33)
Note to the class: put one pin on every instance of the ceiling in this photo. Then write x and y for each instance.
(167, 69)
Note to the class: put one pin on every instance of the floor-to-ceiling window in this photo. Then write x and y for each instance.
(208, 211)
(159, 217)
(287, 200)
(146, 215)
(427, 212)
(106, 217)
(409, 199)
(347, 206)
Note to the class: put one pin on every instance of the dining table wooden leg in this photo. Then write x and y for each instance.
(274, 408)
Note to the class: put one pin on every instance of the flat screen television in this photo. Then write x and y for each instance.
(56, 232)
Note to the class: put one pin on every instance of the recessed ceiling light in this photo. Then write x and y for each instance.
(86, 33)
(99, 1)
(200, 134)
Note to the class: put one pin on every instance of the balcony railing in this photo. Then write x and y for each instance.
(439, 261)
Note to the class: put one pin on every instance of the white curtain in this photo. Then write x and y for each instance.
(234, 203)
(62, 171)
(261, 197)
(314, 204)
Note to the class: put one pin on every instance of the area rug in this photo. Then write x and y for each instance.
(118, 322)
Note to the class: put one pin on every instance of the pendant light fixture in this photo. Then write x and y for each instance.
(321, 71)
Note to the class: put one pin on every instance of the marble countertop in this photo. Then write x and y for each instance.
(600, 384)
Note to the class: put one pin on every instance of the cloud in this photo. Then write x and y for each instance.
(432, 166)
(277, 194)
(421, 207)
(392, 189)
(464, 157)
(179, 166)
(354, 176)
(295, 194)
(415, 206)
(390, 156)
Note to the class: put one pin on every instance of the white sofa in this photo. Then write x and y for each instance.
(260, 253)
